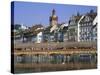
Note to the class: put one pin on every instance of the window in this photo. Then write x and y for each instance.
(90, 23)
(86, 30)
(87, 19)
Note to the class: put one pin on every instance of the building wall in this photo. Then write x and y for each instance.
(94, 35)
(86, 30)
(78, 31)
(66, 37)
(73, 28)
(39, 37)
(72, 33)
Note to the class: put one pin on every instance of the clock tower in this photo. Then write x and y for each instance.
(53, 18)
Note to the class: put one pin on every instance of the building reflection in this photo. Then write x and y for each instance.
(56, 58)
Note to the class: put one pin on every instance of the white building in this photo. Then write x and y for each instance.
(94, 28)
(73, 28)
(83, 27)
(78, 30)
(23, 27)
(86, 26)
(39, 37)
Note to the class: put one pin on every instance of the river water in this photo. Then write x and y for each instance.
(55, 62)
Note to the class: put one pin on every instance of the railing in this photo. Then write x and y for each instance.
(70, 51)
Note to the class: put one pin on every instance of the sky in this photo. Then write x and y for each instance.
(30, 13)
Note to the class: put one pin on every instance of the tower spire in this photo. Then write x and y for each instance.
(53, 18)
(53, 12)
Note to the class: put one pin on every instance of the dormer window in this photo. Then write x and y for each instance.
(87, 18)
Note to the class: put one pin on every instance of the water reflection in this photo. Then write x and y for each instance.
(56, 58)
(59, 62)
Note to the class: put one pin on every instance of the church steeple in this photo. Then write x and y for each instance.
(53, 12)
(53, 18)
